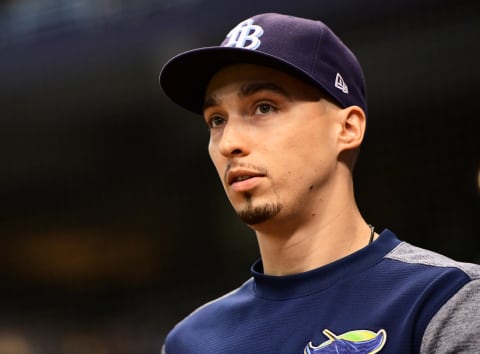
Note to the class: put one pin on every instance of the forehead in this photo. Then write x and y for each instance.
(237, 77)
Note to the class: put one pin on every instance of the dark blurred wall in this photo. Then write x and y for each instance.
(114, 224)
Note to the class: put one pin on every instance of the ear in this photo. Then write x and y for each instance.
(353, 125)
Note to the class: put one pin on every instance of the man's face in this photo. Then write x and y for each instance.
(272, 141)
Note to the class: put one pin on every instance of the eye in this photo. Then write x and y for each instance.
(215, 121)
(264, 108)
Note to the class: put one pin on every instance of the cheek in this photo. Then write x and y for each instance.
(305, 158)
(218, 160)
(306, 143)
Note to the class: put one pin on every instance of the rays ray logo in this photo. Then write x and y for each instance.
(358, 341)
(245, 35)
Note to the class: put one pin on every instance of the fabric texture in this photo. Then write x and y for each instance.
(389, 297)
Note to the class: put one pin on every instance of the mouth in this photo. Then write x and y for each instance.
(239, 179)
(241, 175)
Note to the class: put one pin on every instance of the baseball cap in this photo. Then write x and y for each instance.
(302, 47)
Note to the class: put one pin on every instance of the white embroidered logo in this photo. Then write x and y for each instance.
(245, 35)
(340, 83)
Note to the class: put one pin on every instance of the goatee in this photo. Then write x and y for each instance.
(255, 215)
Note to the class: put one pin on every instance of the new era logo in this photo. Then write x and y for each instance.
(340, 83)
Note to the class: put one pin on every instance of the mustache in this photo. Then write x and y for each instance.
(248, 166)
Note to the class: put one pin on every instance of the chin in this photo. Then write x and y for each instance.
(251, 215)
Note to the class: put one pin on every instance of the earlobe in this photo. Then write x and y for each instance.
(353, 127)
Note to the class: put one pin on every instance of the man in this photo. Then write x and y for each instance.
(285, 103)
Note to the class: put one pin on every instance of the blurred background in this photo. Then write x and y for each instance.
(113, 223)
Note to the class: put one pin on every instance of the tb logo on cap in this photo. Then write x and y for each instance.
(245, 35)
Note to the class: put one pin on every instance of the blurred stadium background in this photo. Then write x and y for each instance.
(114, 225)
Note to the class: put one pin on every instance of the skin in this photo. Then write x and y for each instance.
(285, 154)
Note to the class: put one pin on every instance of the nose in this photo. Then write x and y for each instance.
(235, 139)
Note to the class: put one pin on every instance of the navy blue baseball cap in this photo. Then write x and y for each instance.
(302, 47)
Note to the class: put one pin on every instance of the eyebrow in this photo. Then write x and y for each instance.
(254, 87)
(249, 90)
(210, 101)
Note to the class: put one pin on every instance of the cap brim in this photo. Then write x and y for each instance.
(185, 77)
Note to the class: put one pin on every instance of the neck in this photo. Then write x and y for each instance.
(309, 242)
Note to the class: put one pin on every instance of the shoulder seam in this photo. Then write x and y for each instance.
(408, 253)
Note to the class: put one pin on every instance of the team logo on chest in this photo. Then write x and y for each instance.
(245, 35)
(359, 342)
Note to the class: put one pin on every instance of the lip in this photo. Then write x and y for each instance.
(242, 180)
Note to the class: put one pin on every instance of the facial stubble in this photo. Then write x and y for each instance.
(253, 215)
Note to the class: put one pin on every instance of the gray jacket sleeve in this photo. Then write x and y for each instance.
(455, 328)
